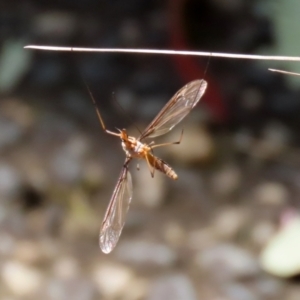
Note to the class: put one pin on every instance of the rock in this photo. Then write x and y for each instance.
(293, 293)
(243, 141)
(67, 163)
(226, 181)
(66, 268)
(197, 145)
(75, 289)
(262, 231)
(10, 181)
(54, 23)
(7, 244)
(81, 217)
(147, 190)
(190, 186)
(276, 138)
(14, 110)
(31, 252)
(274, 141)
(94, 176)
(269, 287)
(138, 289)
(202, 239)
(145, 253)
(174, 234)
(174, 286)
(271, 193)
(51, 129)
(237, 291)
(66, 167)
(28, 252)
(230, 221)
(77, 146)
(10, 133)
(22, 280)
(278, 133)
(111, 280)
(236, 263)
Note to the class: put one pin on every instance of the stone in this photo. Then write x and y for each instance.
(173, 286)
(10, 133)
(10, 181)
(197, 145)
(230, 221)
(271, 193)
(21, 279)
(75, 289)
(66, 268)
(145, 253)
(238, 291)
(237, 263)
(226, 181)
(111, 280)
(147, 190)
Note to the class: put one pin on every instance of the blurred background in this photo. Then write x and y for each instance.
(228, 229)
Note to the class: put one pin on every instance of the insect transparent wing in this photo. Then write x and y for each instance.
(176, 109)
(116, 212)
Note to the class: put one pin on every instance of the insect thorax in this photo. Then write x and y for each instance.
(134, 148)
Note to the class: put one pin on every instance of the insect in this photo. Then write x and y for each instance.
(170, 115)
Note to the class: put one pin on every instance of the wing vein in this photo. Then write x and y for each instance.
(176, 109)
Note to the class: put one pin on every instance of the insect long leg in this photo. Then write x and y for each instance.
(168, 144)
(151, 168)
(99, 114)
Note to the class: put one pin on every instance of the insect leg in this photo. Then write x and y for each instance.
(99, 114)
(168, 144)
(151, 168)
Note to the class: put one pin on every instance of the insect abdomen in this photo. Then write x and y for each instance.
(162, 166)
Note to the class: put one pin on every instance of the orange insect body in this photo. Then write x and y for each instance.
(161, 166)
(135, 149)
(132, 147)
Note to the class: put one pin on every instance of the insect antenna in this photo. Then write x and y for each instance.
(95, 105)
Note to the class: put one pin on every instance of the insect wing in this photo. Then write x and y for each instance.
(176, 109)
(115, 215)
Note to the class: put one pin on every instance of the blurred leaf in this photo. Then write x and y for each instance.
(281, 256)
(14, 62)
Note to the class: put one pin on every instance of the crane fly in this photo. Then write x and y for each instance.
(172, 113)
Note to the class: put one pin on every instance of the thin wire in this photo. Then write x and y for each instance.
(284, 72)
(166, 52)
